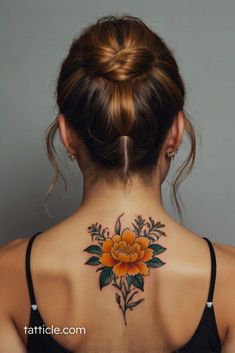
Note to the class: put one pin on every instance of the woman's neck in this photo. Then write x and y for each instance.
(111, 199)
(106, 204)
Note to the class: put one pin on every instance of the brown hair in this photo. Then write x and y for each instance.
(119, 78)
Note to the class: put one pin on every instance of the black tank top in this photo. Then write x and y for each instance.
(204, 340)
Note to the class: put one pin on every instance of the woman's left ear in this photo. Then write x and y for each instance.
(177, 130)
(180, 125)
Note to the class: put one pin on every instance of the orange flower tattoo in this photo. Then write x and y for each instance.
(127, 254)
(127, 257)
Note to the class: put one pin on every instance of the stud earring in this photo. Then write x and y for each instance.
(71, 156)
(171, 154)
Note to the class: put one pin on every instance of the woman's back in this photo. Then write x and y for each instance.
(120, 267)
(67, 290)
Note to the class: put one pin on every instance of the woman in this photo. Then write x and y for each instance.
(120, 271)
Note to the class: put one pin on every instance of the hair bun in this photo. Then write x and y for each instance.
(119, 65)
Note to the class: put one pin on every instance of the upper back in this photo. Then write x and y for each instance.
(119, 309)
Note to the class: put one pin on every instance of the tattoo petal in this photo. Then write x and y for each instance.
(137, 247)
(107, 245)
(114, 254)
(133, 269)
(115, 245)
(143, 241)
(133, 257)
(122, 244)
(128, 236)
(120, 269)
(144, 269)
(116, 238)
(123, 257)
(148, 254)
(141, 254)
(107, 259)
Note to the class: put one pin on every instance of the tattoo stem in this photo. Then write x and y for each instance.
(120, 286)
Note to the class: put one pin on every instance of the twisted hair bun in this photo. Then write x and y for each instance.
(118, 65)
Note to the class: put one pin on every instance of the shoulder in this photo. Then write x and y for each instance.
(11, 266)
(10, 252)
(225, 255)
(227, 248)
(225, 282)
(12, 263)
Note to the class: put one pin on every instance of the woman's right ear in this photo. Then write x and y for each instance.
(62, 129)
(65, 133)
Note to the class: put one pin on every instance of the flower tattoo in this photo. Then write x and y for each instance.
(126, 257)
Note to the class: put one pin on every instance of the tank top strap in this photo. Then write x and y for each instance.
(213, 273)
(28, 272)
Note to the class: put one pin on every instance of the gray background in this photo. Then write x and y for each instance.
(35, 37)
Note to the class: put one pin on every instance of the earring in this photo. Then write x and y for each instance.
(71, 156)
(171, 154)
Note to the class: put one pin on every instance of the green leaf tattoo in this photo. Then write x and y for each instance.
(126, 257)
(94, 249)
(155, 262)
(157, 248)
(137, 281)
(93, 261)
(106, 277)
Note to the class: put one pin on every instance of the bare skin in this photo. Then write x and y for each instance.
(67, 291)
